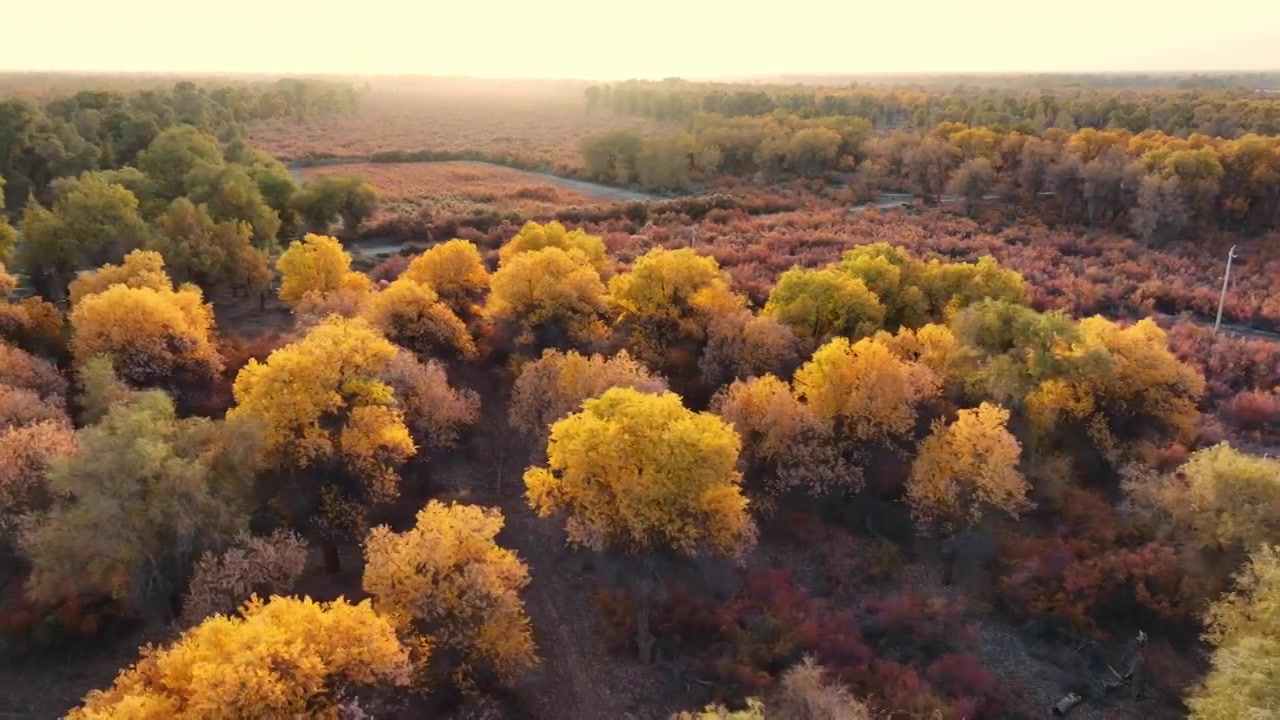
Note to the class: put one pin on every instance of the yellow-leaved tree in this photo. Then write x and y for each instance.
(863, 388)
(965, 469)
(141, 268)
(1122, 385)
(283, 658)
(1244, 628)
(448, 580)
(548, 298)
(640, 475)
(410, 314)
(325, 410)
(534, 236)
(666, 303)
(455, 271)
(156, 337)
(317, 264)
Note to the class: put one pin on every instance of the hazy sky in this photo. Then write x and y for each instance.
(653, 38)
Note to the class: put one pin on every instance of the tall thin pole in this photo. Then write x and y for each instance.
(1223, 297)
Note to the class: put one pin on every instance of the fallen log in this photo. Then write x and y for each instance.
(1070, 700)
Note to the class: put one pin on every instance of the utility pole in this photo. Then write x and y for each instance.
(1231, 255)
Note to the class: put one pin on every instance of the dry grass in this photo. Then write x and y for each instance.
(539, 125)
(458, 188)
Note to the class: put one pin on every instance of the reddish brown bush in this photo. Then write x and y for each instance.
(23, 370)
(1254, 411)
(744, 644)
(1092, 570)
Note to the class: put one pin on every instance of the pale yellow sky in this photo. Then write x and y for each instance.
(653, 38)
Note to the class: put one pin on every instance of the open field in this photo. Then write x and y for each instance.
(443, 189)
(534, 127)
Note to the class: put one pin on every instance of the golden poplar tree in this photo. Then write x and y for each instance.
(449, 580)
(641, 475)
(277, 659)
(967, 468)
(317, 264)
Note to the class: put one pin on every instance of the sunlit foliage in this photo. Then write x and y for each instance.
(667, 300)
(141, 268)
(157, 338)
(410, 314)
(317, 264)
(967, 468)
(320, 402)
(870, 393)
(448, 579)
(281, 658)
(640, 473)
(820, 304)
(455, 271)
(549, 298)
(1245, 679)
(534, 236)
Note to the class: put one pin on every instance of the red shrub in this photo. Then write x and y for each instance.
(1092, 569)
(742, 645)
(1254, 411)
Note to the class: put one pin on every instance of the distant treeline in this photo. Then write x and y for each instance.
(107, 129)
(1222, 112)
(1158, 185)
(1039, 81)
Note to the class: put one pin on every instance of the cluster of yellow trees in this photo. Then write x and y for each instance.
(841, 364)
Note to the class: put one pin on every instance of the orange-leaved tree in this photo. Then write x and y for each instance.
(966, 469)
(640, 475)
(281, 658)
(156, 337)
(448, 580)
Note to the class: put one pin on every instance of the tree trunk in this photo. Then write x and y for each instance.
(644, 604)
(332, 560)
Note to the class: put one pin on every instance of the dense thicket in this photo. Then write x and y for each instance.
(106, 129)
(1236, 109)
